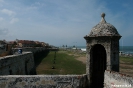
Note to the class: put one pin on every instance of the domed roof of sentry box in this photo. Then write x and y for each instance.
(104, 29)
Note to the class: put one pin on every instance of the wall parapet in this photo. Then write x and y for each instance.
(115, 79)
(43, 81)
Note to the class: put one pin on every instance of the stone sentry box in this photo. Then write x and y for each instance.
(102, 52)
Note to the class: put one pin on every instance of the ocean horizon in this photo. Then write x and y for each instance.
(126, 49)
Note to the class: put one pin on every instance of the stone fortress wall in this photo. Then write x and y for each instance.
(16, 71)
(20, 66)
(117, 80)
(43, 81)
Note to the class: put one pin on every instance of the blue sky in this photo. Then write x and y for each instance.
(63, 22)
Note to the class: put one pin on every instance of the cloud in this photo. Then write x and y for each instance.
(14, 20)
(6, 34)
(8, 12)
(63, 21)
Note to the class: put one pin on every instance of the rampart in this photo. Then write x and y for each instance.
(17, 71)
(117, 80)
(19, 64)
(111, 80)
(43, 81)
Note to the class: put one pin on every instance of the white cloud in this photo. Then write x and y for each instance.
(6, 34)
(58, 20)
(14, 20)
(8, 12)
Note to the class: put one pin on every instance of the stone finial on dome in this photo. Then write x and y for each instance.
(103, 20)
(103, 15)
(104, 29)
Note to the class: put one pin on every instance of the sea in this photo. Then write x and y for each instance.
(124, 49)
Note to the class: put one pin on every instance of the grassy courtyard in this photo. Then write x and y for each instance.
(65, 63)
(126, 65)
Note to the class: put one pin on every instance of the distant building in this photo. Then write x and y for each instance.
(25, 43)
(12, 43)
(29, 43)
(3, 46)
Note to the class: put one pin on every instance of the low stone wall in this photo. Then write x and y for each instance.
(20, 64)
(43, 81)
(117, 80)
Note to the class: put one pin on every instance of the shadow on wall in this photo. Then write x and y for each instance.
(39, 56)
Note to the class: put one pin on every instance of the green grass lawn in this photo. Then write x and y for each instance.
(64, 64)
(126, 65)
(128, 60)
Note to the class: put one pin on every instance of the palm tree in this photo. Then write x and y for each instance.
(73, 46)
(66, 46)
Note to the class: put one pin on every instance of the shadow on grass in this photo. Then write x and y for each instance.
(39, 56)
(64, 64)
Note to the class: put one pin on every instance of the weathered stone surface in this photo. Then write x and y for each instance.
(19, 64)
(103, 29)
(115, 80)
(43, 81)
(102, 52)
